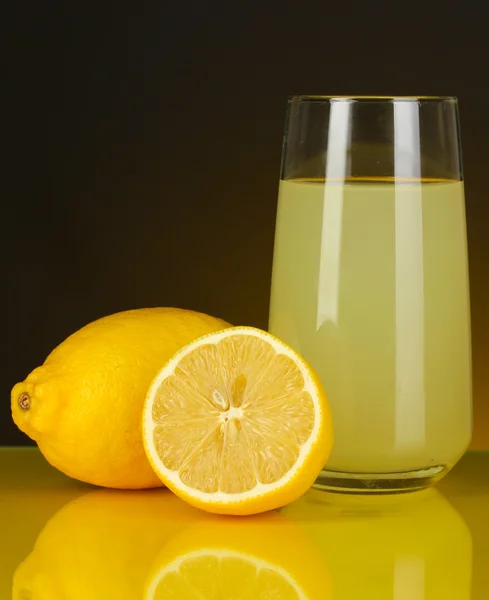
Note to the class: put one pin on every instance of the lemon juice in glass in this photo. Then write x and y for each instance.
(370, 282)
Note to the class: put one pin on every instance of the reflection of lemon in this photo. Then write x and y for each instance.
(30, 493)
(411, 546)
(259, 558)
(83, 405)
(236, 422)
(196, 575)
(101, 546)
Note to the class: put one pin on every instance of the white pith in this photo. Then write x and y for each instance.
(233, 412)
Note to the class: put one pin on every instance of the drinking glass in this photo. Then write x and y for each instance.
(370, 282)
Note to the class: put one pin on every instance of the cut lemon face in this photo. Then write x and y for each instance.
(237, 422)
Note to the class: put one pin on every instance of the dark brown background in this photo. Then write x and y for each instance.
(144, 148)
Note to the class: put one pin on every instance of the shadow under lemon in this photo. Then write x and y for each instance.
(150, 544)
(101, 546)
(404, 547)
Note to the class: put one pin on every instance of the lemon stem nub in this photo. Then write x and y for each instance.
(24, 401)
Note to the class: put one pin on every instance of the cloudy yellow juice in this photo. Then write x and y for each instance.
(370, 285)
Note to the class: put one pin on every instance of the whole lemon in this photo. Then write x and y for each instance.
(83, 406)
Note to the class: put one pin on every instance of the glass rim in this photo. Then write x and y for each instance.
(380, 99)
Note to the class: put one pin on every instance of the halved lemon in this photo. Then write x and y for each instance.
(237, 422)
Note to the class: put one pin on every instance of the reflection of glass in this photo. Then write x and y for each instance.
(101, 546)
(405, 547)
(370, 282)
(240, 559)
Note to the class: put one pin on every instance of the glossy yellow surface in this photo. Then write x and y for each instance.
(64, 540)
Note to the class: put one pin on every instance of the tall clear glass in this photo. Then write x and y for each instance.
(370, 282)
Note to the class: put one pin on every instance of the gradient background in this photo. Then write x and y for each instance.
(145, 144)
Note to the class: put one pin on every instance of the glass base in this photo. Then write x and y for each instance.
(379, 483)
